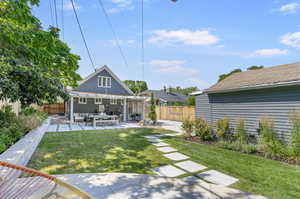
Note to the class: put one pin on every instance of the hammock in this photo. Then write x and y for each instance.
(23, 183)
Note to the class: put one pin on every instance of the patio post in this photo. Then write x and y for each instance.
(125, 110)
(72, 109)
(143, 111)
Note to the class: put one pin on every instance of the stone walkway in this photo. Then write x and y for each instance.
(135, 186)
(183, 166)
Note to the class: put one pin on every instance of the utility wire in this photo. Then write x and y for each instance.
(142, 41)
(114, 32)
(62, 20)
(51, 12)
(55, 11)
(82, 35)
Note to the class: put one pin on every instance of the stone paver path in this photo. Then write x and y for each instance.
(176, 156)
(168, 171)
(218, 177)
(190, 166)
(160, 144)
(166, 149)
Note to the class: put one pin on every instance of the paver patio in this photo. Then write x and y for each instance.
(166, 149)
(190, 166)
(168, 171)
(218, 177)
(176, 156)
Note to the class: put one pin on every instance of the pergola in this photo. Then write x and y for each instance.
(74, 94)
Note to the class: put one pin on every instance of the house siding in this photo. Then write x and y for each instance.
(252, 105)
(91, 107)
(91, 85)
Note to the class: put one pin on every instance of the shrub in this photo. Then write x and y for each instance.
(295, 137)
(29, 111)
(237, 146)
(223, 129)
(241, 133)
(269, 143)
(203, 130)
(152, 113)
(188, 127)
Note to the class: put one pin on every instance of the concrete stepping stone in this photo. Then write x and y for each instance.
(153, 140)
(64, 127)
(217, 177)
(166, 149)
(190, 166)
(150, 137)
(168, 171)
(160, 144)
(159, 135)
(176, 156)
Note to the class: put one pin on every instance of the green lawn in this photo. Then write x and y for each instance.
(125, 150)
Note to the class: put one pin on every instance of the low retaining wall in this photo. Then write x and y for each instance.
(21, 152)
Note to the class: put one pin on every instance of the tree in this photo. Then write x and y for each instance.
(184, 91)
(35, 65)
(191, 101)
(224, 76)
(136, 86)
(152, 112)
(255, 67)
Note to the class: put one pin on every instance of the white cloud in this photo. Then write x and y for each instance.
(122, 42)
(289, 8)
(291, 39)
(185, 36)
(270, 52)
(68, 6)
(172, 66)
(121, 5)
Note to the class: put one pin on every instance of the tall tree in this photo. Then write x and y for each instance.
(136, 86)
(224, 76)
(35, 65)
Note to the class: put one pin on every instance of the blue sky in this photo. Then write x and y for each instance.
(188, 43)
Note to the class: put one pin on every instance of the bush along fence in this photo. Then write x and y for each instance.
(266, 144)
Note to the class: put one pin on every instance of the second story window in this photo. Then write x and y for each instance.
(104, 82)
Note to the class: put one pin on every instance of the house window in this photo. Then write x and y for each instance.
(104, 82)
(98, 100)
(82, 100)
(113, 101)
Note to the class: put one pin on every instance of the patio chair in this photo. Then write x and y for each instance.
(22, 183)
(78, 118)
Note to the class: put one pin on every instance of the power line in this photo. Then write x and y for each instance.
(82, 35)
(55, 11)
(51, 12)
(142, 38)
(62, 20)
(113, 31)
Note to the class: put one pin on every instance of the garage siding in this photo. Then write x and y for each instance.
(276, 104)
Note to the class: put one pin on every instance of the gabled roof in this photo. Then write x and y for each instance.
(282, 75)
(166, 96)
(111, 73)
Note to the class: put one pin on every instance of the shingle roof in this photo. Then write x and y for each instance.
(283, 74)
(167, 96)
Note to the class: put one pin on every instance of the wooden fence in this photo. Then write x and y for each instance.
(175, 113)
(54, 108)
